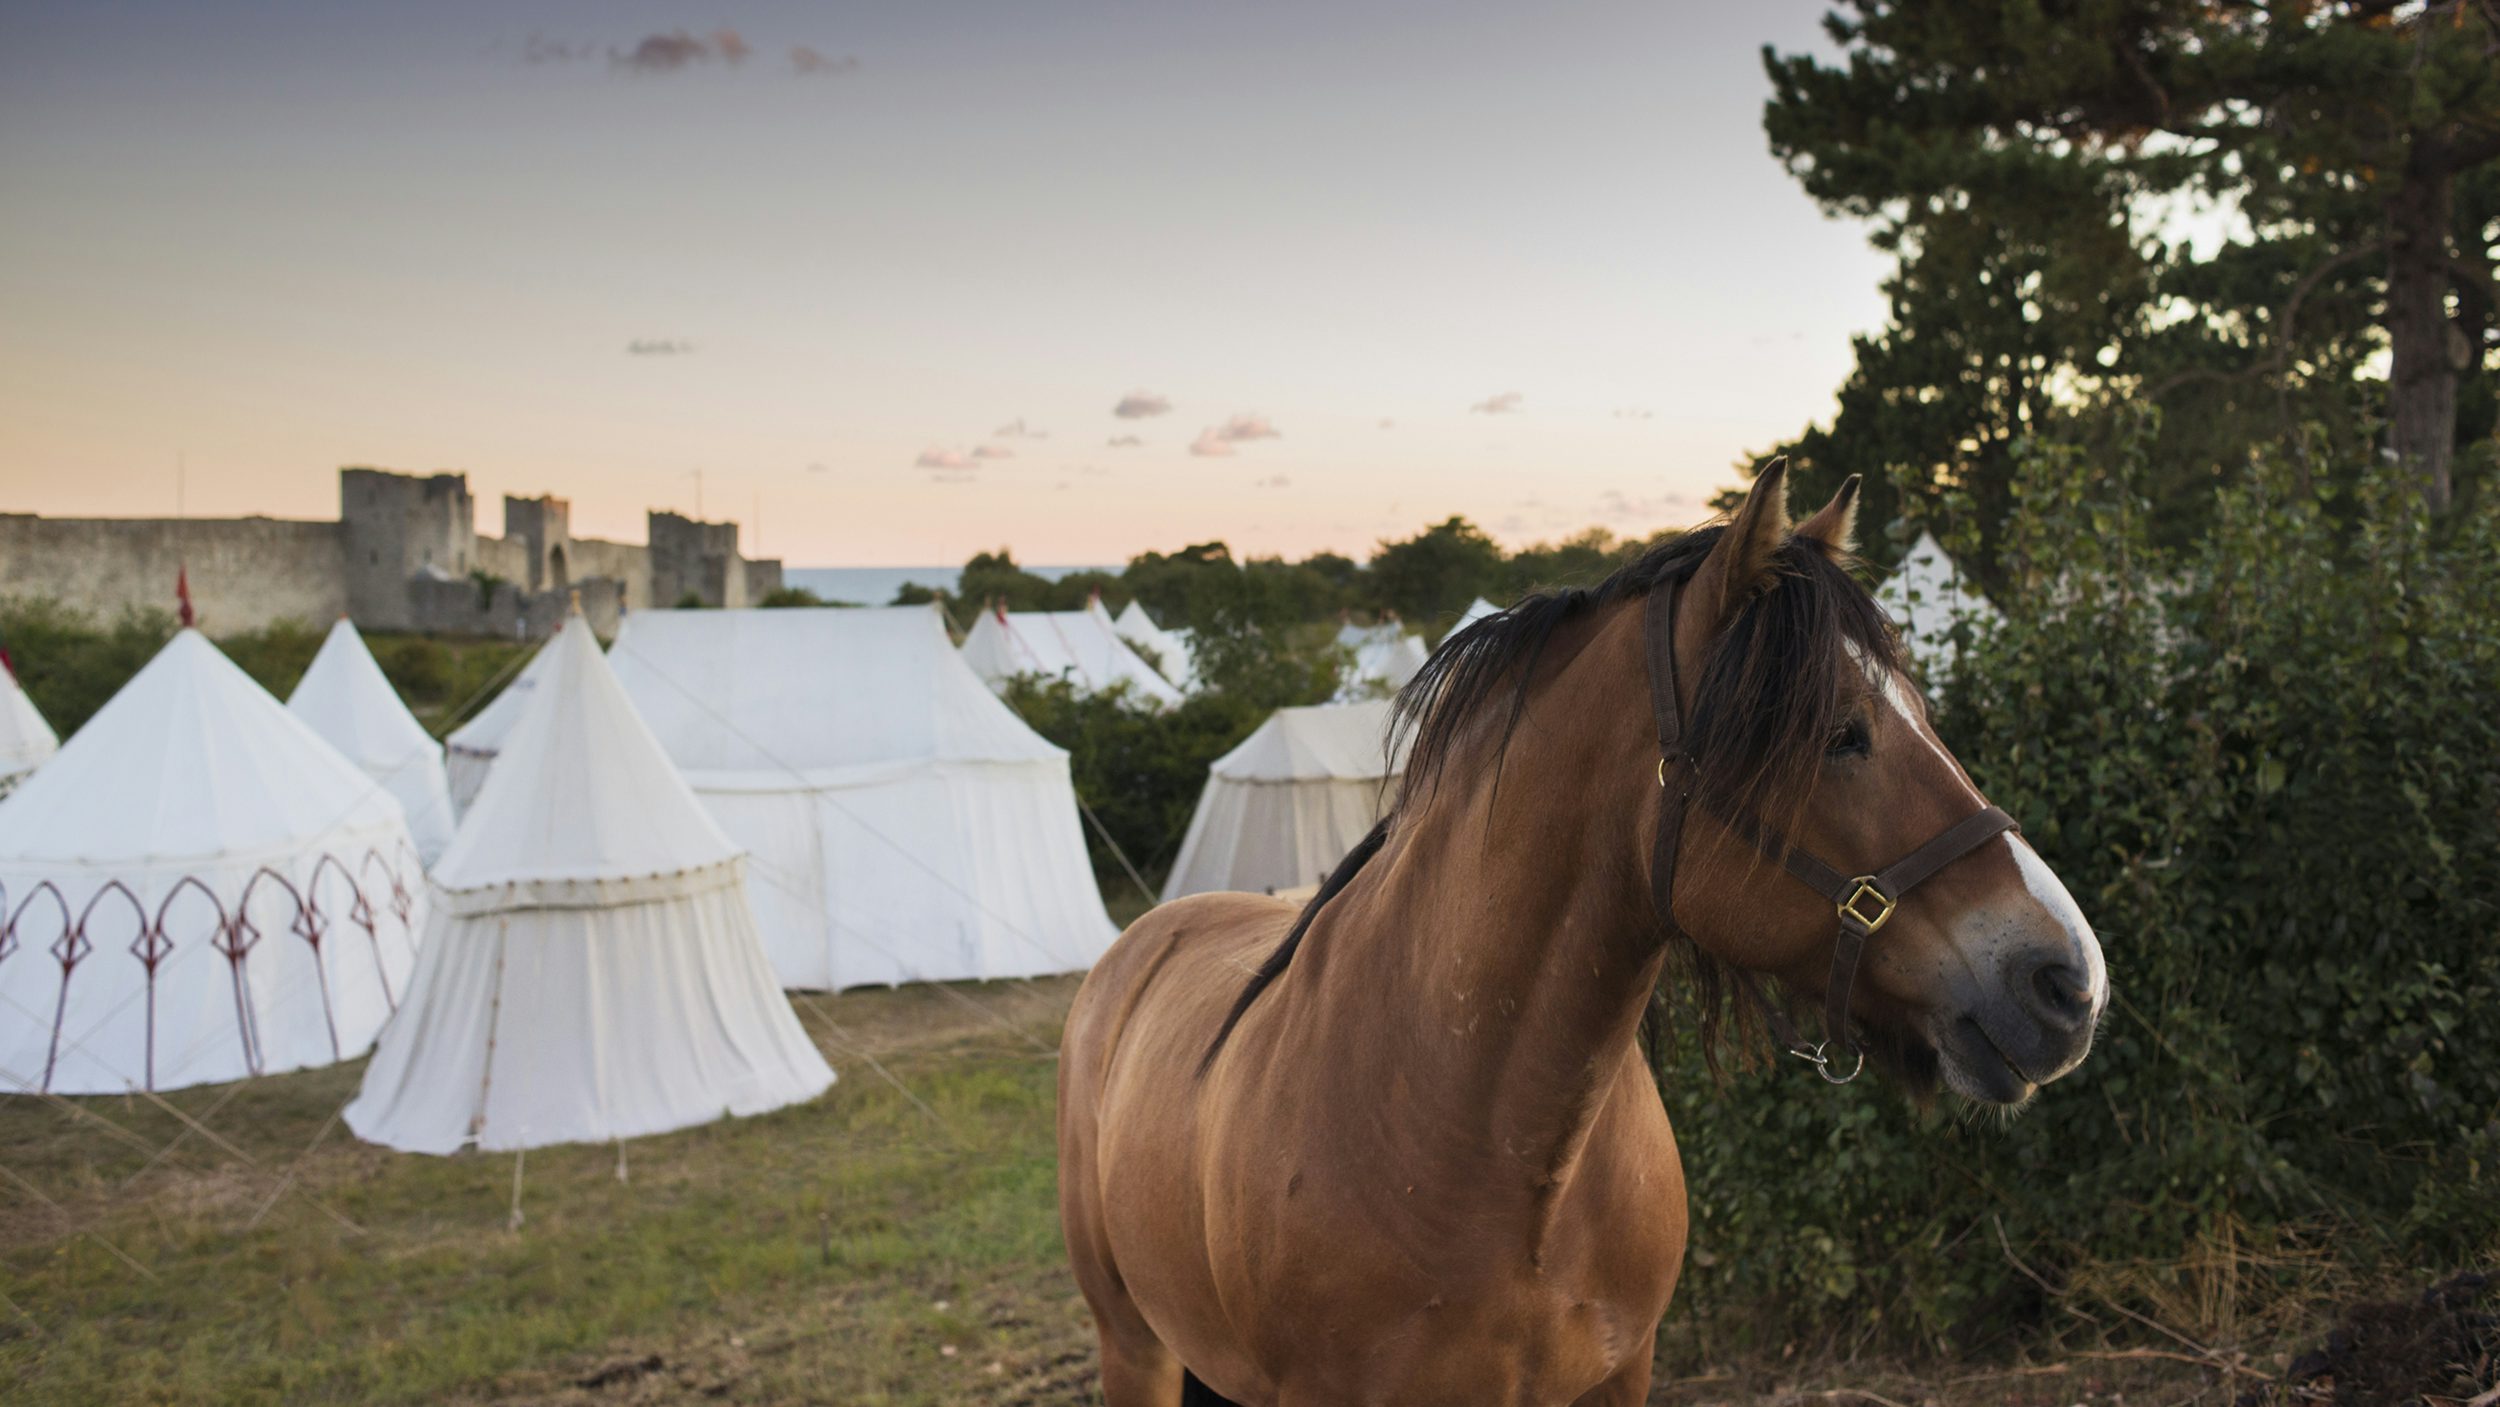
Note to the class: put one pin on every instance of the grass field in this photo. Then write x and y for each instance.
(892, 1244)
(874, 1247)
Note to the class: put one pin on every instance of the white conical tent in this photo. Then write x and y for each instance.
(1476, 610)
(592, 970)
(26, 741)
(198, 888)
(902, 824)
(470, 751)
(1926, 597)
(1284, 807)
(1081, 647)
(346, 699)
(1173, 656)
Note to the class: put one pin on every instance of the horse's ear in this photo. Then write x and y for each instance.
(1739, 564)
(1835, 524)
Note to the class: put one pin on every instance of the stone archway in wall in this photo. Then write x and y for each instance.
(558, 576)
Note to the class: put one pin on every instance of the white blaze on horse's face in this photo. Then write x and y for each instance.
(2032, 980)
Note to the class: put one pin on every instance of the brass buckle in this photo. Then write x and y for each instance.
(1865, 891)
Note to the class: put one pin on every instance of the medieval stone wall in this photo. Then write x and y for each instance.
(404, 555)
(245, 573)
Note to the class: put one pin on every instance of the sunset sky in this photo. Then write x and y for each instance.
(887, 274)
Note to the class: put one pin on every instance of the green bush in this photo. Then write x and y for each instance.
(68, 663)
(1139, 770)
(2268, 765)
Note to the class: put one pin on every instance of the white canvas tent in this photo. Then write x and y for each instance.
(26, 741)
(1926, 596)
(1385, 657)
(1173, 656)
(345, 698)
(1284, 807)
(1082, 647)
(592, 970)
(197, 889)
(902, 824)
(471, 749)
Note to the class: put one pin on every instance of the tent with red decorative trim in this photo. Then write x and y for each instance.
(199, 888)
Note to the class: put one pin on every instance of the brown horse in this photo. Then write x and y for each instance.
(1407, 1149)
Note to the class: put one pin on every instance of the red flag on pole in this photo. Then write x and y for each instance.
(182, 594)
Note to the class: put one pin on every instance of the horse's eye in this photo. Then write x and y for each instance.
(1850, 741)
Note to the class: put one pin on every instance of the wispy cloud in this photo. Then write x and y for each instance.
(1016, 429)
(938, 457)
(818, 466)
(659, 347)
(810, 63)
(663, 53)
(1274, 481)
(727, 43)
(1124, 442)
(1644, 511)
(1633, 413)
(1140, 405)
(1216, 441)
(539, 49)
(1500, 403)
(992, 452)
(1387, 424)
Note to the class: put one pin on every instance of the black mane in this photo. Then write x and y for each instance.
(1776, 687)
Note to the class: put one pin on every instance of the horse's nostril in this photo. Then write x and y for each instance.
(2062, 990)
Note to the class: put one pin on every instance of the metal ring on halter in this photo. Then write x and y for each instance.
(1823, 1067)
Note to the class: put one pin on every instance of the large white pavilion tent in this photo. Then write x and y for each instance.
(1083, 647)
(198, 888)
(1280, 810)
(592, 970)
(471, 749)
(903, 825)
(346, 699)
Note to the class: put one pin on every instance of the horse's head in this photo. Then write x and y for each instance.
(1804, 732)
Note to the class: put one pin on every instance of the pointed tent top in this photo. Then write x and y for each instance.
(192, 761)
(347, 699)
(582, 807)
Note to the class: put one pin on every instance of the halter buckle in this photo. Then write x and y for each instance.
(1866, 892)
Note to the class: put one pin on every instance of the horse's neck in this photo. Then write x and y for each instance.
(1506, 937)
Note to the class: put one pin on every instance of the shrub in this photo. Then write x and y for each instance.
(2268, 766)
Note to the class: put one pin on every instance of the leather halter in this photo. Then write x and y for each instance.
(1862, 903)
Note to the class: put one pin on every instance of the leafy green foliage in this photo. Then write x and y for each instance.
(1139, 770)
(70, 664)
(790, 597)
(1435, 573)
(2236, 212)
(2266, 762)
